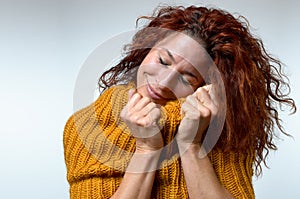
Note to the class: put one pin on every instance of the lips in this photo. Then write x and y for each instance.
(154, 95)
(159, 96)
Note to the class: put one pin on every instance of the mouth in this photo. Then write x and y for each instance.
(154, 95)
(158, 97)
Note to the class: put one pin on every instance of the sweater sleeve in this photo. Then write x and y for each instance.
(88, 178)
(234, 171)
(91, 150)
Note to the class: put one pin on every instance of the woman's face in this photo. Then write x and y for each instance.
(174, 68)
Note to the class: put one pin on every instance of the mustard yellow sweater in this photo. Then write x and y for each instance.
(98, 147)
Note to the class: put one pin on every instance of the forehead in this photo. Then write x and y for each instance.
(180, 44)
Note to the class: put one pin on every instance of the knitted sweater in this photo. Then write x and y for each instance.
(98, 146)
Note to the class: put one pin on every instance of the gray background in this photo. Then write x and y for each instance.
(43, 45)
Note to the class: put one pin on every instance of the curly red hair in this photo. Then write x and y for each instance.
(254, 82)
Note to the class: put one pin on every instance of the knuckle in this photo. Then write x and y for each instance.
(132, 119)
(141, 123)
(214, 110)
(147, 99)
(189, 98)
(135, 118)
(206, 112)
(137, 94)
(152, 105)
(200, 89)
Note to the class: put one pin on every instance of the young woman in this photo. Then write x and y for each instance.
(146, 135)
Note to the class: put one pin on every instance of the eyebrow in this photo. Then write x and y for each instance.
(190, 74)
(169, 53)
(184, 72)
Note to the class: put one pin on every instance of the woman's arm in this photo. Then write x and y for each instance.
(201, 179)
(200, 176)
(138, 179)
(141, 116)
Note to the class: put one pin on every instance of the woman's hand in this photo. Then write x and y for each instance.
(197, 111)
(142, 116)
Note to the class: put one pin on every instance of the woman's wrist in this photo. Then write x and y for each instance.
(194, 149)
(147, 152)
(144, 161)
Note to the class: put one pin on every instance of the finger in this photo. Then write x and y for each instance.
(207, 87)
(195, 112)
(131, 93)
(144, 101)
(135, 98)
(153, 117)
(214, 106)
(190, 111)
(147, 109)
(204, 96)
(191, 99)
(201, 93)
(195, 102)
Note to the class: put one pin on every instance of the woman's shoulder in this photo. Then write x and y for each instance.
(111, 97)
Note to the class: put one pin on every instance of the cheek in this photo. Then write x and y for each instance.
(140, 76)
(150, 69)
(144, 71)
(180, 93)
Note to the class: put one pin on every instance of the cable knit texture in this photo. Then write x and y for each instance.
(98, 147)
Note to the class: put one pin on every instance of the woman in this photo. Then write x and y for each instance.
(147, 138)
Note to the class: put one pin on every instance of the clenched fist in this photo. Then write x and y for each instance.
(142, 116)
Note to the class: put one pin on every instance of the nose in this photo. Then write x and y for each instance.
(167, 79)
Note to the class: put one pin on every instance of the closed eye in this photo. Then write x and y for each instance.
(163, 62)
(184, 80)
